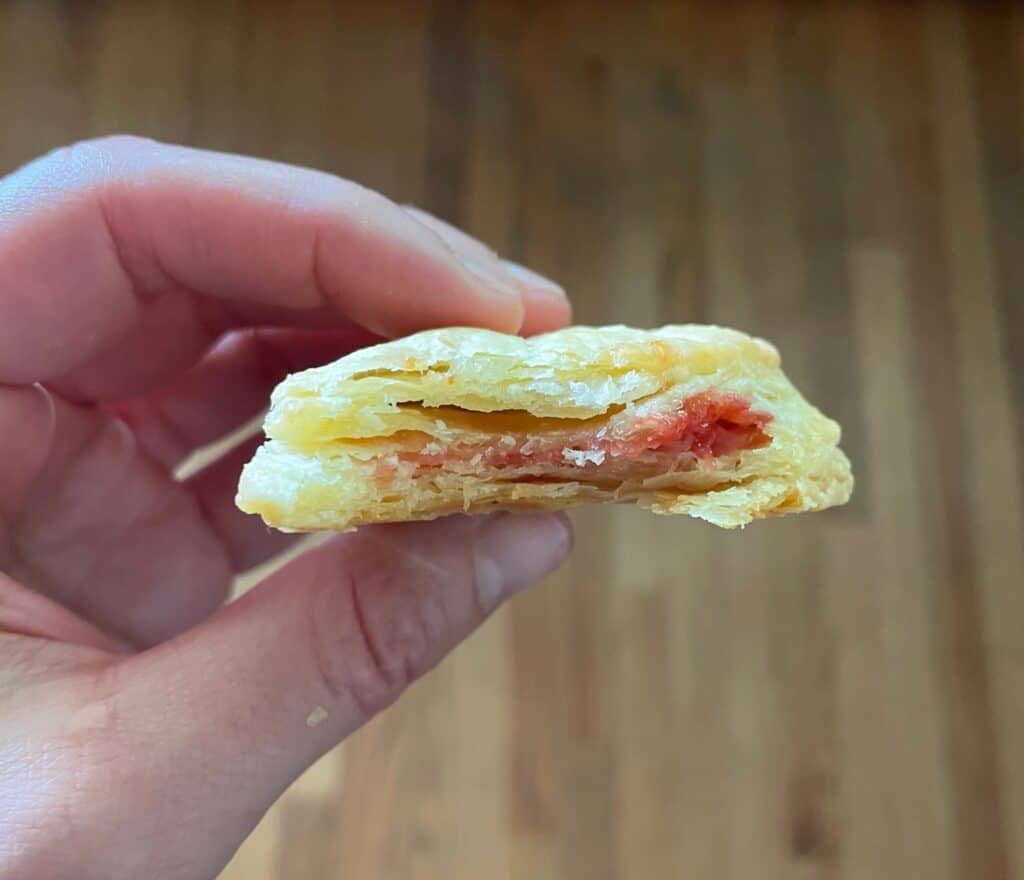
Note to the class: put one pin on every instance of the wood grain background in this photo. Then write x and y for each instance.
(835, 696)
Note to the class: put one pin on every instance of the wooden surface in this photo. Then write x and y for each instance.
(836, 696)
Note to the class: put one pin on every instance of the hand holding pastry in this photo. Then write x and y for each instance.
(151, 297)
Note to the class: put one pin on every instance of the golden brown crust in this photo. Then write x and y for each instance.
(331, 428)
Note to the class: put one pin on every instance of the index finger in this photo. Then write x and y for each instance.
(98, 239)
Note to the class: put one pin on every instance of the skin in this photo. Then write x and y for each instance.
(150, 298)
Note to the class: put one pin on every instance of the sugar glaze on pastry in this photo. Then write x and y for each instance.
(689, 419)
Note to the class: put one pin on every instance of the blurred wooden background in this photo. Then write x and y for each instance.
(831, 696)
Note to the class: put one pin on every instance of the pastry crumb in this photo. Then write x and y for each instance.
(580, 457)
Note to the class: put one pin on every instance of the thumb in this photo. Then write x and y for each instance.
(232, 711)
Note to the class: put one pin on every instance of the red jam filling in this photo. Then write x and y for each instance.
(706, 425)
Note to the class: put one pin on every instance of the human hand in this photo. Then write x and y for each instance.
(150, 298)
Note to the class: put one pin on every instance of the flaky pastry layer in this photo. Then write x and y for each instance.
(684, 419)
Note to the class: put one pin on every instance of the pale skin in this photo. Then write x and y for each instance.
(150, 298)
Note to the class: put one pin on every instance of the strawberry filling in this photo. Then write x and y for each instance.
(706, 425)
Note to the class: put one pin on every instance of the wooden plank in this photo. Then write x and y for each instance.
(985, 618)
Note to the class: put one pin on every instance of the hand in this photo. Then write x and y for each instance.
(150, 298)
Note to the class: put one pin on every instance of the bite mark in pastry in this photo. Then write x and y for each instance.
(685, 419)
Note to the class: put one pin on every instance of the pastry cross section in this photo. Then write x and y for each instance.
(685, 419)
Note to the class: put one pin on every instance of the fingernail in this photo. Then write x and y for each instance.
(491, 274)
(533, 279)
(515, 550)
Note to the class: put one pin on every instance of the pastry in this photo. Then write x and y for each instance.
(684, 419)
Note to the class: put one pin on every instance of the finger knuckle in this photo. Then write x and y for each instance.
(111, 145)
(97, 154)
(84, 165)
(371, 638)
